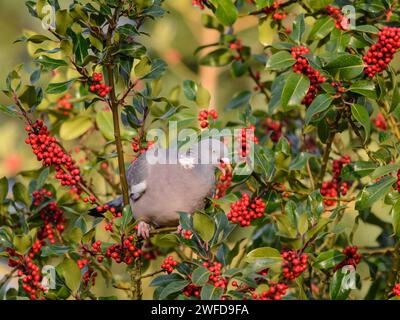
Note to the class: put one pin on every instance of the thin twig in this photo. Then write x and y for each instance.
(163, 230)
(328, 148)
(325, 158)
(114, 104)
(151, 274)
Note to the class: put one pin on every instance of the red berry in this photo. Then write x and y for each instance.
(382, 52)
(396, 289)
(294, 263)
(352, 257)
(302, 66)
(275, 292)
(244, 211)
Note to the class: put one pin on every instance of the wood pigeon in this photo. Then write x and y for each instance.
(163, 182)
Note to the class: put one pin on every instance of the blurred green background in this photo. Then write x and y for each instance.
(174, 38)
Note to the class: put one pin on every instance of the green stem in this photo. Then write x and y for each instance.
(325, 158)
(114, 105)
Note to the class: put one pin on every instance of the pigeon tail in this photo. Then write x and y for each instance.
(118, 204)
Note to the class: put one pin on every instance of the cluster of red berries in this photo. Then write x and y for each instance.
(331, 189)
(380, 122)
(88, 253)
(36, 247)
(338, 166)
(64, 105)
(109, 224)
(97, 86)
(96, 246)
(396, 289)
(192, 290)
(302, 66)
(274, 128)
(215, 274)
(103, 209)
(238, 47)
(263, 272)
(246, 136)
(339, 88)
(341, 22)
(244, 211)
(381, 53)
(90, 199)
(51, 214)
(28, 271)
(89, 277)
(274, 292)
(204, 116)
(106, 207)
(335, 186)
(149, 251)
(82, 263)
(126, 251)
(169, 264)
(352, 258)
(224, 182)
(47, 150)
(140, 147)
(294, 263)
(276, 15)
(187, 234)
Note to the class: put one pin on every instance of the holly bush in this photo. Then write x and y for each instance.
(324, 107)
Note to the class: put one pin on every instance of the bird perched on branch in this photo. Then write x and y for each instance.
(163, 182)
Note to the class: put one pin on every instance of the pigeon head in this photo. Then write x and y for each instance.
(209, 151)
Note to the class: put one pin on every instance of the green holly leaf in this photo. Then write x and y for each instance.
(328, 259)
(210, 292)
(280, 60)
(50, 63)
(369, 195)
(200, 276)
(59, 87)
(320, 104)
(204, 225)
(364, 87)
(226, 11)
(361, 114)
(294, 91)
(346, 66)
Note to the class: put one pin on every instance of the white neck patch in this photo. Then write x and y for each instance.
(187, 162)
